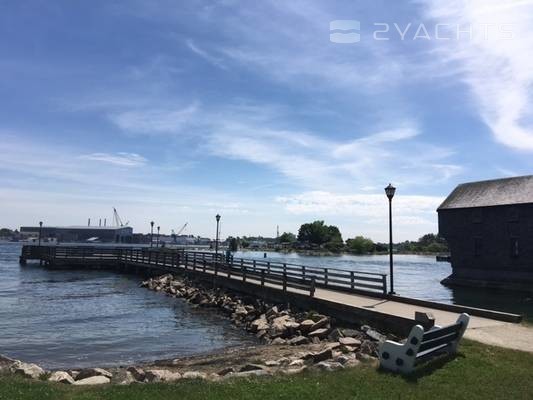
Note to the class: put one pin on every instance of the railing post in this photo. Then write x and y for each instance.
(284, 279)
(230, 266)
(244, 272)
(384, 280)
(268, 268)
(325, 277)
(204, 264)
(303, 271)
(194, 261)
(254, 266)
(352, 280)
(186, 260)
(312, 288)
(262, 277)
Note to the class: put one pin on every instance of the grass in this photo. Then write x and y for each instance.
(477, 372)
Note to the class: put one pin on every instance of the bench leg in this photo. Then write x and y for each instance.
(399, 357)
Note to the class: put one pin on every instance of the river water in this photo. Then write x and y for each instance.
(78, 318)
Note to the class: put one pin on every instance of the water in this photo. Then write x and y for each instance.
(66, 319)
(414, 276)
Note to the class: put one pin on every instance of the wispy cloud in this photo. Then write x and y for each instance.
(217, 62)
(121, 158)
(497, 66)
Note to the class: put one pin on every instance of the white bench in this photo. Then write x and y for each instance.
(421, 346)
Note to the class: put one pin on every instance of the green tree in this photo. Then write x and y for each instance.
(287, 237)
(318, 233)
(360, 245)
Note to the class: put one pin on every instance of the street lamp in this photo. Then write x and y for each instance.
(216, 236)
(40, 231)
(151, 234)
(389, 191)
(157, 243)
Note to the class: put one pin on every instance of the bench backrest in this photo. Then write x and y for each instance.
(440, 338)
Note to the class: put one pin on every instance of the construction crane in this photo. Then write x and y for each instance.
(175, 235)
(117, 221)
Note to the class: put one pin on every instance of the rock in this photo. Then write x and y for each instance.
(240, 311)
(90, 372)
(367, 359)
(278, 325)
(293, 371)
(284, 361)
(6, 362)
(194, 375)
(321, 323)
(226, 371)
(259, 325)
(305, 326)
(335, 335)
(273, 312)
(343, 359)
(353, 362)
(315, 340)
(279, 341)
(93, 380)
(375, 335)
(27, 370)
(297, 363)
(137, 373)
(124, 378)
(319, 333)
(251, 367)
(322, 355)
(298, 340)
(292, 326)
(161, 375)
(347, 349)
(350, 341)
(329, 366)
(246, 374)
(272, 363)
(333, 345)
(426, 319)
(61, 377)
(350, 333)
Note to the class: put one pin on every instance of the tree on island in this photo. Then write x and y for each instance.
(287, 237)
(320, 234)
(360, 245)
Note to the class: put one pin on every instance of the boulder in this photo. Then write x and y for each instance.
(93, 380)
(89, 372)
(350, 333)
(124, 378)
(194, 375)
(319, 333)
(297, 363)
(350, 341)
(335, 335)
(322, 355)
(137, 373)
(61, 377)
(226, 371)
(329, 366)
(321, 323)
(27, 370)
(259, 325)
(293, 371)
(250, 367)
(305, 326)
(161, 375)
(245, 374)
(278, 341)
(272, 363)
(298, 340)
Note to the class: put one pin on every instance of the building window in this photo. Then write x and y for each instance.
(515, 247)
(478, 246)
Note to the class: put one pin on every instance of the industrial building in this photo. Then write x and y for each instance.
(489, 229)
(80, 234)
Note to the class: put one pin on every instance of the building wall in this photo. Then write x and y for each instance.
(490, 243)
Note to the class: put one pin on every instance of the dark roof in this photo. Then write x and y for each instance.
(496, 192)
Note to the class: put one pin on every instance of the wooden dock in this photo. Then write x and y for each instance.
(350, 296)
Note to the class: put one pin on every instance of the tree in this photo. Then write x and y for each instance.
(287, 237)
(318, 233)
(360, 245)
(233, 244)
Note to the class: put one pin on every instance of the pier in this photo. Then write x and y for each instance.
(349, 296)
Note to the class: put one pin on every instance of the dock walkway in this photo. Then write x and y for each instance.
(352, 296)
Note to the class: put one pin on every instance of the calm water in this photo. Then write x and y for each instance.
(62, 319)
(414, 276)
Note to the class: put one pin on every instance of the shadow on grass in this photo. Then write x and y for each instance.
(426, 368)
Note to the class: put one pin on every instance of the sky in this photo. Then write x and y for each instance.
(268, 113)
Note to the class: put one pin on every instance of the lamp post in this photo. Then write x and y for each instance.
(389, 191)
(40, 231)
(157, 243)
(216, 236)
(152, 234)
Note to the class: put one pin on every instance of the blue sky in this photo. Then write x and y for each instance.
(178, 110)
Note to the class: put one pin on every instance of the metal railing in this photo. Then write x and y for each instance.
(262, 272)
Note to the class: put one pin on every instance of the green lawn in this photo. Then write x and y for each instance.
(478, 372)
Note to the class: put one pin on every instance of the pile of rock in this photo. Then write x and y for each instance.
(273, 324)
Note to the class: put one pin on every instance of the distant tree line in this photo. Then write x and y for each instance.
(319, 236)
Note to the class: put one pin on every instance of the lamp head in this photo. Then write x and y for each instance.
(389, 191)
(217, 217)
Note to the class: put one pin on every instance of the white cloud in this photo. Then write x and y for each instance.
(217, 62)
(497, 68)
(121, 159)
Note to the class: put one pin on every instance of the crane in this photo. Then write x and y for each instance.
(117, 221)
(175, 235)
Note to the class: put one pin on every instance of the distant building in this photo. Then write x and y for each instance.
(91, 234)
(489, 229)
